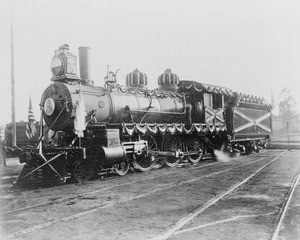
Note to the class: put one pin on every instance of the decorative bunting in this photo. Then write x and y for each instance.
(162, 128)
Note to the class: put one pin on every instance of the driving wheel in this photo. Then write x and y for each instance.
(171, 143)
(146, 163)
(194, 144)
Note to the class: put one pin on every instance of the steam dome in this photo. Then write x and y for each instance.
(168, 81)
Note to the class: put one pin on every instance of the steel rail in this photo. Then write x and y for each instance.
(284, 208)
(94, 209)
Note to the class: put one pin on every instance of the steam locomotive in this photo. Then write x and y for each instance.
(115, 127)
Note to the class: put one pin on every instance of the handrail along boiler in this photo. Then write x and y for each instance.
(112, 127)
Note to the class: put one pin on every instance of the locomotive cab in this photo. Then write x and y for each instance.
(208, 101)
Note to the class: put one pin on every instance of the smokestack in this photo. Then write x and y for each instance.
(85, 65)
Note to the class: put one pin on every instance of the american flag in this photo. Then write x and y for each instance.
(79, 121)
(30, 128)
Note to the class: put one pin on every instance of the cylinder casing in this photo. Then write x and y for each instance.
(113, 155)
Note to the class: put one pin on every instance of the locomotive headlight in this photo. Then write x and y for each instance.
(49, 106)
(57, 66)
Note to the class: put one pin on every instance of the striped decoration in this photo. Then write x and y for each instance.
(30, 127)
(168, 78)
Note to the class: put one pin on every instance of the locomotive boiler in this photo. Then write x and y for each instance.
(114, 127)
(114, 104)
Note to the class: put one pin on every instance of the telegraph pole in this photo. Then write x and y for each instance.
(13, 110)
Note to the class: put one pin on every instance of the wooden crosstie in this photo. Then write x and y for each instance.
(251, 121)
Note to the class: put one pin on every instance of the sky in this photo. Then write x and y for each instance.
(250, 46)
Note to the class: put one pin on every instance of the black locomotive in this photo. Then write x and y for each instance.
(114, 127)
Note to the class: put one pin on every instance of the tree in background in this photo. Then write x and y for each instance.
(275, 108)
(287, 108)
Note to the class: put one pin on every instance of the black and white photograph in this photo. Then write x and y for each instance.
(150, 119)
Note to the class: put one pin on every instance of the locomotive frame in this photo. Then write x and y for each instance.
(134, 127)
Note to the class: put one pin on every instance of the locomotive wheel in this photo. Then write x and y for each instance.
(81, 171)
(195, 145)
(142, 162)
(121, 168)
(171, 143)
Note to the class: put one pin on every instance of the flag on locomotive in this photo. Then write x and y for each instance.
(30, 127)
(79, 120)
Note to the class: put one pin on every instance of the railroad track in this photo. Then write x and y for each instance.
(70, 198)
(168, 186)
(284, 208)
(64, 199)
(96, 191)
(182, 222)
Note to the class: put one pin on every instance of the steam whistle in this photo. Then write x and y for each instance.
(110, 79)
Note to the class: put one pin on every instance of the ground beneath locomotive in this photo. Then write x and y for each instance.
(146, 205)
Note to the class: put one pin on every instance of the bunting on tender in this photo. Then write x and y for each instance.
(30, 127)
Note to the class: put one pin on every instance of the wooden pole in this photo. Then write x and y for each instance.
(2, 152)
(13, 110)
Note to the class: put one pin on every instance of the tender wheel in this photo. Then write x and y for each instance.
(195, 145)
(121, 168)
(171, 143)
(82, 171)
(142, 162)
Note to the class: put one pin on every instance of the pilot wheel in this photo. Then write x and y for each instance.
(82, 171)
(121, 168)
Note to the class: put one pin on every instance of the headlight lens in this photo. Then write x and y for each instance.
(49, 106)
(56, 66)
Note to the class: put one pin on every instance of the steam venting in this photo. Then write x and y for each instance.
(85, 65)
(221, 156)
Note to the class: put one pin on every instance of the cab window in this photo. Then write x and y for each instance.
(218, 101)
(208, 100)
